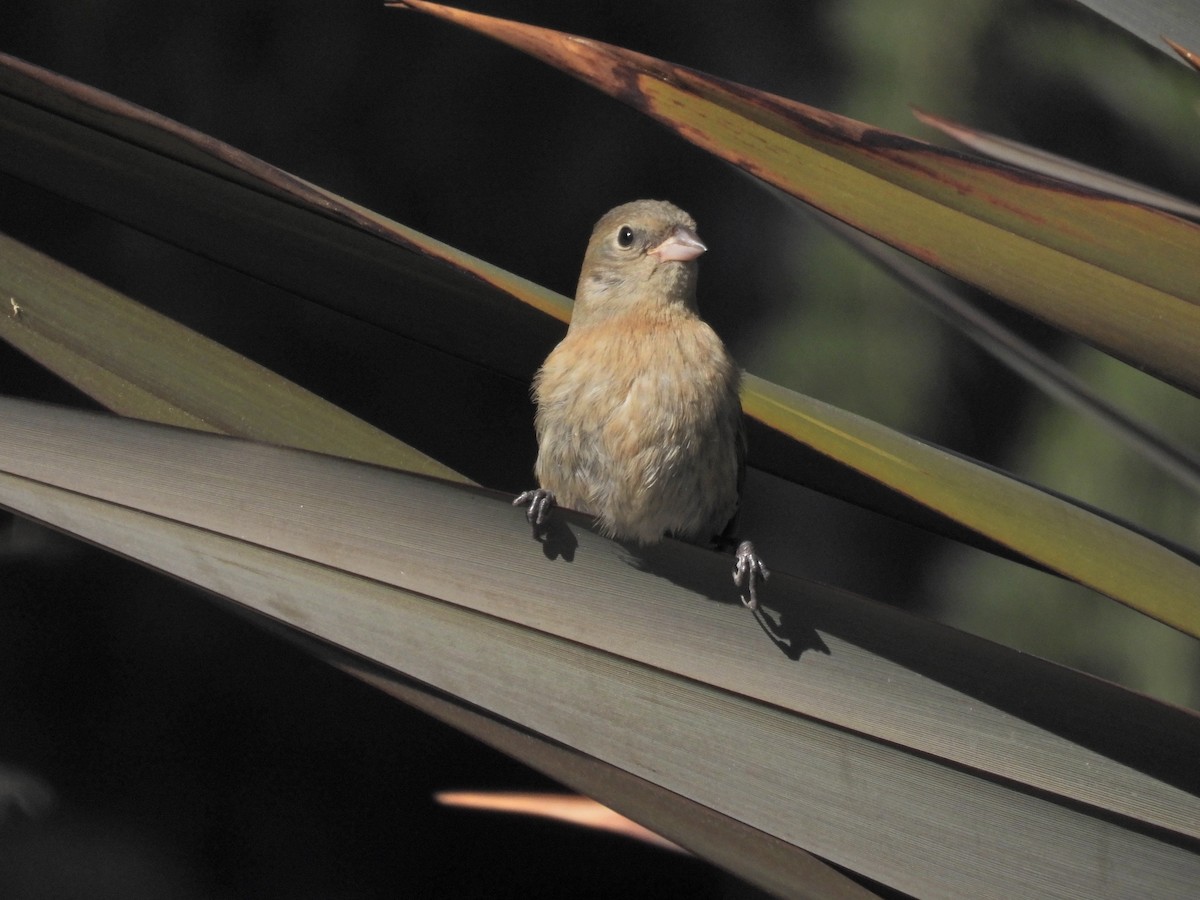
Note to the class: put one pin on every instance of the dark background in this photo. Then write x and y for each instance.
(190, 754)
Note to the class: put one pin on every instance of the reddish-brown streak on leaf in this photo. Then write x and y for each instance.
(897, 149)
(1187, 55)
(619, 73)
(782, 114)
(631, 77)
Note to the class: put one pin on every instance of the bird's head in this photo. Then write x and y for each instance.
(640, 253)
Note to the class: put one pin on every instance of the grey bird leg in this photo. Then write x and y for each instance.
(540, 502)
(747, 568)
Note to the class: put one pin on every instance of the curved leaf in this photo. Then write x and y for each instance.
(770, 863)
(884, 739)
(142, 364)
(1037, 367)
(1120, 569)
(142, 168)
(1121, 276)
(1032, 159)
(1066, 538)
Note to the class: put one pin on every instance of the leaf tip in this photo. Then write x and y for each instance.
(1184, 53)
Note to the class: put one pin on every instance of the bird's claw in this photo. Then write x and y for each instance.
(540, 502)
(748, 567)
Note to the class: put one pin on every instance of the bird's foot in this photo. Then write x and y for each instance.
(540, 502)
(748, 567)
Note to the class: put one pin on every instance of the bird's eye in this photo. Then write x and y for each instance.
(625, 236)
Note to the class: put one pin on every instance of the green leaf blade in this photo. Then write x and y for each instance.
(142, 364)
(840, 754)
(1066, 538)
(1121, 276)
(1163, 592)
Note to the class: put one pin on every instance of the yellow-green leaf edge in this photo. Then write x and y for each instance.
(1132, 569)
(1123, 277)
(142, 364)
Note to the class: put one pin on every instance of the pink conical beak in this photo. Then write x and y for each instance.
(681, 245)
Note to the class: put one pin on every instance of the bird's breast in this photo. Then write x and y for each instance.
(637, 423)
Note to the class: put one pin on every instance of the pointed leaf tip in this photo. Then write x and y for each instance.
(1192, 59)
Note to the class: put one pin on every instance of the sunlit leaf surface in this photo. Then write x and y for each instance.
(1119, 275)
(142, 364)
(871, 729)
(327, 233)
(1034, 160)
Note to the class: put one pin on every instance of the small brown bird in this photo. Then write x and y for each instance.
(638, 421)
